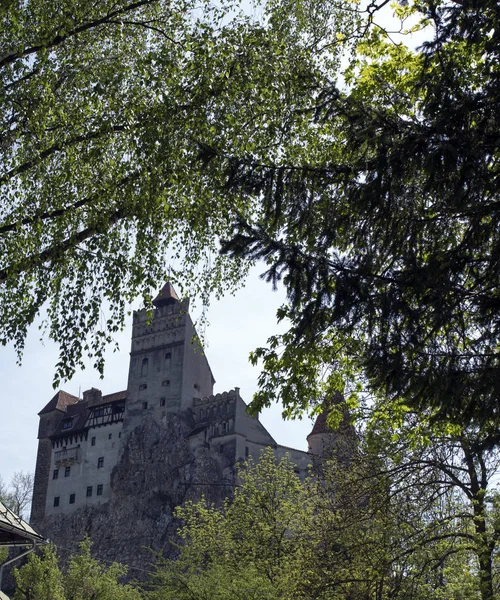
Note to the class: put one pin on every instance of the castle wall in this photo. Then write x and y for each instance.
(82, 466)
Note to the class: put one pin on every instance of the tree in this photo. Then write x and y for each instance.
(85, 578)
(17, 496)
(108, 113)
(349, 533)
(446, 476)
(40, 578)
(244, 549)
(383, 225)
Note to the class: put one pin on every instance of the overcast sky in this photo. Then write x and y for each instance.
(238, 324)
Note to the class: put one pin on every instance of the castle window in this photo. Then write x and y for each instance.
(89, 491)
(72, 498)
(67, 471)
(56, 501)
(246, 451)
(99, 489)
(120, 434)
(110, 435)
(144, 405)
(92, 443)
(197, 386)
(55, 473)
(143, 386)
(67, 423)
(162, 401)
(144, 368)
(100, 462)
(165, 382)
(224, 427)
(221, 448)
(202, 414)
(168, 360)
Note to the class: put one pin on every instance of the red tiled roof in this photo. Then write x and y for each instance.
(59, 402)
(166, 296)
(113, 397)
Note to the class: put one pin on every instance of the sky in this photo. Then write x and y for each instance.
(238, 324)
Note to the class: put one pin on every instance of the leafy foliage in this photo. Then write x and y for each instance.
(109, 113)
(383, 224)
(85, 578)
(355, 531)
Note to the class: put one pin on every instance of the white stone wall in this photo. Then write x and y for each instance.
(84, 471)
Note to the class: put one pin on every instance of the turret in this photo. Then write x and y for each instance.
(325, 441)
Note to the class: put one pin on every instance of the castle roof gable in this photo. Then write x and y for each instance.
(59, 402)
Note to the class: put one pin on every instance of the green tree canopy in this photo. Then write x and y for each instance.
(383, 225)
(85, 578)
(357, 533)
(107, 111)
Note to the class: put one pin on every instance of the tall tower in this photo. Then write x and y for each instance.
(168, 368)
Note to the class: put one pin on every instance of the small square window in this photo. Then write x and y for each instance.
(89, 491)
(144, 405)
(99, 489)
(143, 386)
(56, 501)
(165, 382)
(110, 436)
(55, 473)
(162, 401)
(100, 462)
(72, 498)
(67, 471)
(92, 443)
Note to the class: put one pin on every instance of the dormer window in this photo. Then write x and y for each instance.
(67, 423)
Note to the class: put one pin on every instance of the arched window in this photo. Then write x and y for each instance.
(168, 361)
(144, 368)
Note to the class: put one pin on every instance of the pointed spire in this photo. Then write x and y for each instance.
(166, 296)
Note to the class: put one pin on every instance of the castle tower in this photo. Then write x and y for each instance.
(327, 442)
(50, 416)
(168, 368)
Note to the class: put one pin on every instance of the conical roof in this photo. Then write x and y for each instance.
(321, 423)
(166, 296)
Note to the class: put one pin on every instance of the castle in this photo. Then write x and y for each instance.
(115, 466)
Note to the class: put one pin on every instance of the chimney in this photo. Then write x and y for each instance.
(92, 396)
